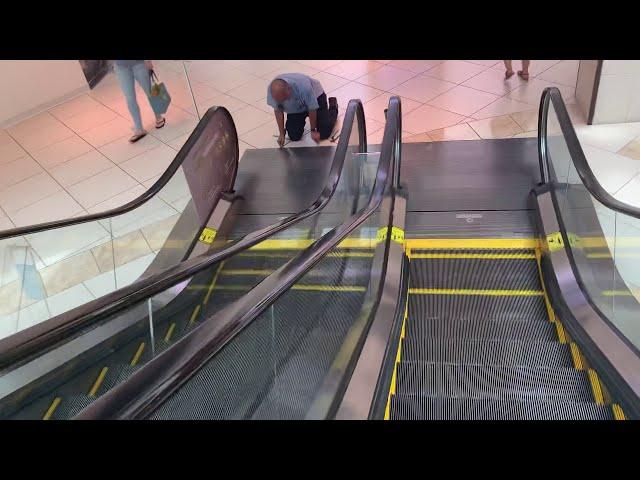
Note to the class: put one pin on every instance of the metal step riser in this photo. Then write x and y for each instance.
(514, 353)
(470, 381)
(426, 408)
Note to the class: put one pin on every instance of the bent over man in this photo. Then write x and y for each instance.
(301, 96)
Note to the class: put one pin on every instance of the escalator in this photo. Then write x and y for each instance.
(481, 282)
(101, 344)
(480, 340)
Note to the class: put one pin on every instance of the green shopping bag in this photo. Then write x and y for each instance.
(159, 98)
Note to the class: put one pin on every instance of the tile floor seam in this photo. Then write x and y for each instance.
(636, 175)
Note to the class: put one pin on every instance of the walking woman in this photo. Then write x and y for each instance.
(129, 72)
(523, 74)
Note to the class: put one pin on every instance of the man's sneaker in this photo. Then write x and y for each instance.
(333, 103)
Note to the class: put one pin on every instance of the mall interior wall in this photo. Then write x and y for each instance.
(30, 86)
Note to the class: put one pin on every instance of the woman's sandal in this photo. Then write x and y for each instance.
(137, 137)
(508, 74)
(524, 76)
(161, 123)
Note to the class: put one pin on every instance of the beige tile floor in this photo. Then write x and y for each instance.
(74, 158)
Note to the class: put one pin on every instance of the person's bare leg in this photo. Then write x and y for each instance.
(509, 69)
(524, 73)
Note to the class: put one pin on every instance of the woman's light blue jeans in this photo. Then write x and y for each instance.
(126, 77)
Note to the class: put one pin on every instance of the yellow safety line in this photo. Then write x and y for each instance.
(394, 375)
(618, 413)
(194, 314)
(550, 312)
(617, 293)
(463, 291)
(284, 255)
(326, 288)
(170, 330)
(98, 382)
(562, 338)
(245, 271)
(296, 243)
(52, 408)
(472, 243)
(315, 288)
(608, 255)
(137, 355)
(595, 386)
(213, 283)
(482, 256)
(575, 355)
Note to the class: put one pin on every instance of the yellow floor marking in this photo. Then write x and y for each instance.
(575, 355)
(285, 255)
(315, 288)
(472, 243)
(562, 338)
(245, 271)
(213, 283)
(462, 291)
(482, 256)
(170, 330)
(618, 414)
(297, 244)
(550, 313)
(595, 386)
(98, 382)
(137, 355)
(52, 408)
(194, 314)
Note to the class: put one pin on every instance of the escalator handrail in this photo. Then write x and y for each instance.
(159, 184)
(39, 337)
(150, 386)
(551, 95)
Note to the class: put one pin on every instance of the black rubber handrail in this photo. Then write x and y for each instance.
(19, 346)
(551, 95)
(150, 386)
(145, 197)
(336, 380)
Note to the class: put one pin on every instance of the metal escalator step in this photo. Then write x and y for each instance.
(477, 306)
(491, 381)
(481, 272)
(115, 375)
(70, 406)
(234, 383)
(526, 330)
(421, 407)
(487, 352)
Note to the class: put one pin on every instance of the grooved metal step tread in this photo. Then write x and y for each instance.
(116, 375)
(479, 272)
(487, 352)
(420, 407)
(70, 406)
(492, 381)
(525, 330)
(477, 307)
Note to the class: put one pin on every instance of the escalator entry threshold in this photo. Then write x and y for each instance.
(481, 341)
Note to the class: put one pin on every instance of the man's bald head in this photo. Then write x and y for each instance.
(280, 90)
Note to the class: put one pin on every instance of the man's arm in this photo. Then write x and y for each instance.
(280, 121)
(313, 119)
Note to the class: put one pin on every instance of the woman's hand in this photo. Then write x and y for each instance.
(149, 64)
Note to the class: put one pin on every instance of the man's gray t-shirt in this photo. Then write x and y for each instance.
(305, 91)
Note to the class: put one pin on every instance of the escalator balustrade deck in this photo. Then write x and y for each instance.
(480, 340)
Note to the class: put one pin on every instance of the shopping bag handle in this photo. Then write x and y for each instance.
(153, 76)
